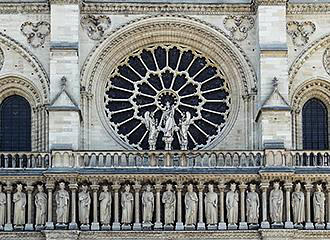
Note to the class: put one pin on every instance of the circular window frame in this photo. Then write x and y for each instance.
(175, 30)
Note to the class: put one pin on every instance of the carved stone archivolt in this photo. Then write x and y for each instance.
(300, 32)
(36, 33)
(95, 26)
(2, 58)
(238, 26)
(326, 60)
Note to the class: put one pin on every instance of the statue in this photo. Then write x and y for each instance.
(184, 124)
(252, 205)
(191, 202)
(84, 205)
(211, 206)
(19, 200)
(168, 125)
(298, 205)
(3, 201)
(318, 202)
(127, 206)
(276, 204)
(40, 202)
(105, 206)
(62, 204)
(232, 205)
(169, 201)
(148, 205)
(151, 125)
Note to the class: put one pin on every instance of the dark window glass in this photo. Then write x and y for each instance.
(15, 124)
(315, 125)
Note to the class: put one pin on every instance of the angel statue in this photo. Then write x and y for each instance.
(152, 126)
(184, 124)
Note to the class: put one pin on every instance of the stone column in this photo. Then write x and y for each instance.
(116, 223)
(288, 222)
(95, 224)
(200, 224)
(8, 225)
(222, 224)
(243, 223)
(73, 225)
(179, 224)
(328, 206)
(158, 224)
(264, 188)
(29, 225)
(49, 223)
(137, 224)
(309, 224)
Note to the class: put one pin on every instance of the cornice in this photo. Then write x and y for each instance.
(308, 8)
(31, 8)
(271, 2)
(142, 8)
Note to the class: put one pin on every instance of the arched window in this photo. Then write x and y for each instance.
(15, 124)
(315, 125)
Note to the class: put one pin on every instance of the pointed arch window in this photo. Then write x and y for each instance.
(315, 125)
(15, 124)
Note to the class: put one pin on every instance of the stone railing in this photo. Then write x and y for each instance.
(24, 160)
(207, 159)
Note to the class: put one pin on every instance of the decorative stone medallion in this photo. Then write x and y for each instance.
(238, 26)
(157, 77)
(36, 32)
(300, 32)
(95, 26)
(2, 59)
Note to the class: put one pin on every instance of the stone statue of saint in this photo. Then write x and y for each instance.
(191, 202)
(169, 201)
(127, 200)
(105, 206)
(40, 202)
(19, 200)
(232, 205)
(62, 204)
(3, 202)
(184, 125)
(152, 126)
(84, 205)
(318, 203)
(252, 205)
(276, 204)
(168, 125)
(298, 205)
(211, 206)
(148, 205)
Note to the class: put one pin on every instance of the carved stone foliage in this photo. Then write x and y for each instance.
(238, 26)
(36, 32)
(326, 60)
(300, 32)
(95, 26)
(2, 58)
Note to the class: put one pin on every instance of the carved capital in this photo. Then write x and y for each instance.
(73, 187)
(179, 187)
(200, 187)
(158, 187)
(308, 187)
(221, 187)
(29, 188)
(95, 187)
(8, 188)
(137, 187)
(243, 187)
(288, 186)
(50, 186)
(116, 187)
(264, 186)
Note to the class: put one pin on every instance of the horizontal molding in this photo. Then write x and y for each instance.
(308, 8)
(14, 8)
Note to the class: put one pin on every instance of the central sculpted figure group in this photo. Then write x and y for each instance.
(168, 126)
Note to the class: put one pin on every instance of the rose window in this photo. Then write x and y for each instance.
(156, 80)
